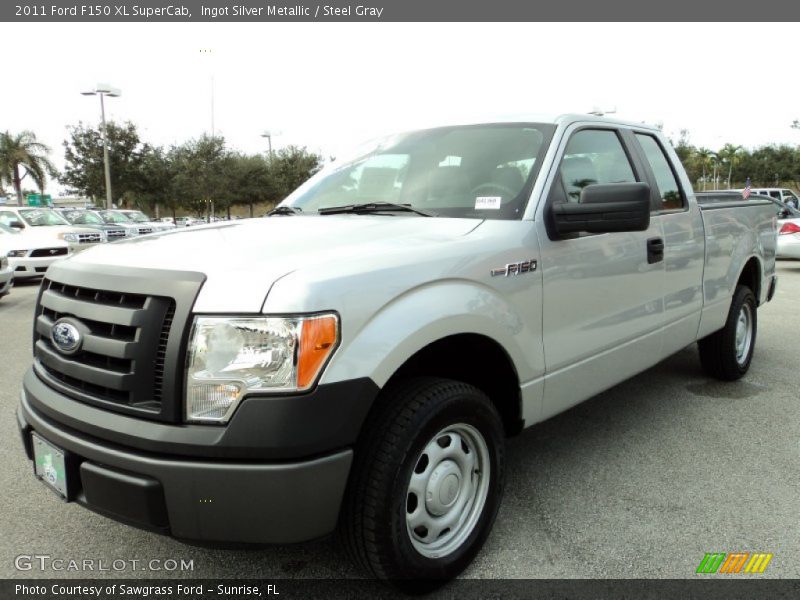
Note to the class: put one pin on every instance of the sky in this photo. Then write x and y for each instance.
(328, 86)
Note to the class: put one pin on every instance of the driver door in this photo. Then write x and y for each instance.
(602, 297)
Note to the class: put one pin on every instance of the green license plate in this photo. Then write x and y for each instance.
(49, 465)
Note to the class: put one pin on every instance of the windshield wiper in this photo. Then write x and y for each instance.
(374, 207)
(285, 210)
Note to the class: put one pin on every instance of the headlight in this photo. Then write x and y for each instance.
(17, 253)
(103, 236)
(69, 237)
(3, 262)
(131, 232)
(229, 357)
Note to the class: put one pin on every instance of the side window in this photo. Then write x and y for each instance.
(6, 217)
(592, 156)
(671, 197)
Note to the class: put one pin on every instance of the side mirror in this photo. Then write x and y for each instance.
(16, 225)
(605, 208)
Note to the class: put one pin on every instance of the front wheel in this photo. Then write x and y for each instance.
(726, 354)
(426, 484)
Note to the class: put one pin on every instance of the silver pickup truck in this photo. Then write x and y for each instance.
(354, 362)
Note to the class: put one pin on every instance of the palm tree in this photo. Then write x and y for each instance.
(730, 154)
(22, 155)
(705, 156)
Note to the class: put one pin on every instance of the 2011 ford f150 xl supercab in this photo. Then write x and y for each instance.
(355, 361)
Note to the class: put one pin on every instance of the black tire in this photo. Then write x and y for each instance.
(718, 351)
(373, 527)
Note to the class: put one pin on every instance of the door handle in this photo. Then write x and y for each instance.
(655, 250)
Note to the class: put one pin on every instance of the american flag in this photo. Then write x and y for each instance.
(746, 192)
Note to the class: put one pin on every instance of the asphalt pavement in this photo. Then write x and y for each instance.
(638, 482)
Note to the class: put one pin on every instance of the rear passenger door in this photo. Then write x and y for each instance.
(602, 298)
(684, 241)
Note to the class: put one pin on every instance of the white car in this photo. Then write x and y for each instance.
(49, 224)
(140, 218)
(29, 252)
(6, 275)
(789, 236)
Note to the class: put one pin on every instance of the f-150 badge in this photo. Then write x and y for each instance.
(516, 268)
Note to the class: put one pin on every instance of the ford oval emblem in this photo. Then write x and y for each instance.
(66, 337)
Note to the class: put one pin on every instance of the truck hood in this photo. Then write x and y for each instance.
(241, 260)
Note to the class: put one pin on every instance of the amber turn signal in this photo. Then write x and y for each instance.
(317, 341)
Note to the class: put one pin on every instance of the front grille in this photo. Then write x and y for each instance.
(89, 238)
(115, 234)
(39, 252)
(121, 361)
(145, 230)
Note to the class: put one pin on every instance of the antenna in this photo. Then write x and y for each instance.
(599, 112)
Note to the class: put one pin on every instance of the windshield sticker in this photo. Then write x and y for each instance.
(487, 202)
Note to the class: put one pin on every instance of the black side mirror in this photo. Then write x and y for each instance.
(605, 208)
(16, 225)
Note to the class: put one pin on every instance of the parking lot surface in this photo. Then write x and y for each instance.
(638, 482)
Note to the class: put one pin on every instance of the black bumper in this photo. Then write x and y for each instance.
(158, 477)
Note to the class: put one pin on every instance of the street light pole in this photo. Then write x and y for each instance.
(268, 135)
(105, 90)
(106, 165)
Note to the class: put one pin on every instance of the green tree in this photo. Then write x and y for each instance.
(292, 166)
(83, 152)
(252, 180)
(730, 155)
(200, 174)
(22, 155)
(704, 157)
(154, 187)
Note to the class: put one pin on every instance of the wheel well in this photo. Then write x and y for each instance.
(751, 277)
(477, 360)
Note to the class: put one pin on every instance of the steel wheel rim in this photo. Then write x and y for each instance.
(744, 333)
(447, 490)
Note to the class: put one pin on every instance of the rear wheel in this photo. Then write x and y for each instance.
(726, 354)
(426, 484)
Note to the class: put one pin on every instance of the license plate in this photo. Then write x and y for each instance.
(50, 465)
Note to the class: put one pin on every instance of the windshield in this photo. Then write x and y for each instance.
(136, 216)
(84, 218)
(114, 217)
(477, 171)
(39, 217)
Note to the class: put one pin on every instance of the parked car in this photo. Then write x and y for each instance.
(140, 218)
(52, 225)
(784, 195)
(188, 221)
(6, 274)
(357, 366)
(30, 253)
(91, 219)
(115, 217)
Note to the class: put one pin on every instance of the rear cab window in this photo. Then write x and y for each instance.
(669, 189)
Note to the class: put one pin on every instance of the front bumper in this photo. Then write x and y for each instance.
(214, 498)
(215, 501)
(25, 267)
